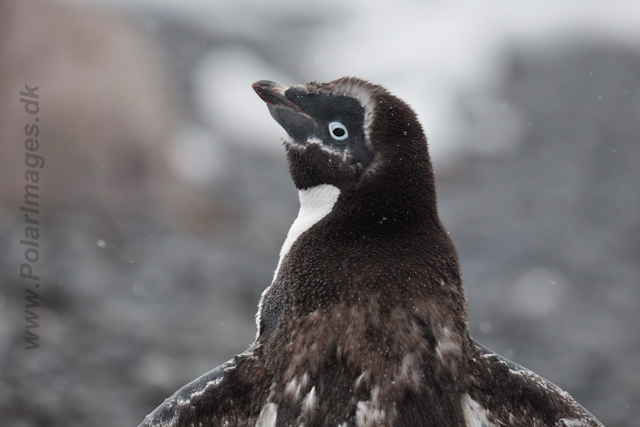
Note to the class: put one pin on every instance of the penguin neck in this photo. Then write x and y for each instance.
(315, 203)
(392, 202)
(335, 277)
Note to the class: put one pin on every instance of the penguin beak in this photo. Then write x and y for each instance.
(274, 94)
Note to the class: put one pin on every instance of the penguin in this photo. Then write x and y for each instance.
(366, 321)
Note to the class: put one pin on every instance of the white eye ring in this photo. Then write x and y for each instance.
(338, 131)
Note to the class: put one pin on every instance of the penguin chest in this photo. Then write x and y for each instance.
(350, 366)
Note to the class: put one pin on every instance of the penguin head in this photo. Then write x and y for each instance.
(356, 136)
(326, 137)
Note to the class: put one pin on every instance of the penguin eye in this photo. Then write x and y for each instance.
(338, 131)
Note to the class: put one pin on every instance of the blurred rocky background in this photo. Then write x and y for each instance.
(165, 194)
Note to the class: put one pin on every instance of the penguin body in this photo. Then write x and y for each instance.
(365, 321)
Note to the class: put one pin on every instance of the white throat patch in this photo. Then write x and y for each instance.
(315, 203)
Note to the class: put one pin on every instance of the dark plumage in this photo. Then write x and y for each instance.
(365, 322)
